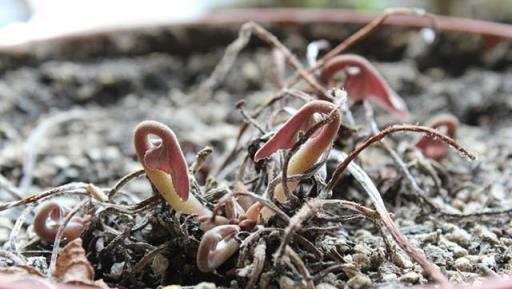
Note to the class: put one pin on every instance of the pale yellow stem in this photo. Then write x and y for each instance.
(164, 185)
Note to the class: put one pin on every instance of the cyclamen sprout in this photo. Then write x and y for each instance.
(50, 217)
(436, 149)
(364, 82)
(217, 245)
(166, 167)
(311, 151)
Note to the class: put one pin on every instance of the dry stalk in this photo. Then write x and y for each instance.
(11, 189)
(266, 202)
(135, 208)
(363, 33)
(15, 232)
(248, 118)
(402, 241)
(311, 208)
(389, 130)
(31, 146)
(71, 188)
(148, 257)
(257, 265)
(252, 238)
(295, 258)
(200, 159)
(60, 234)
(233, 50)
(419, 192)
(123, 181)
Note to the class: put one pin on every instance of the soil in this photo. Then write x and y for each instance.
(71, 107)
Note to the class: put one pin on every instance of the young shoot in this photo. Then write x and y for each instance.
(311, 150)
(50, 217)
(432, 147)
(166, 167)
(217, 245)
(364, 82)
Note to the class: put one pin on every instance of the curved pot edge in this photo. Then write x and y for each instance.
(496, 30)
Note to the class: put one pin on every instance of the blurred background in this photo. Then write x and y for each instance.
(23, 20)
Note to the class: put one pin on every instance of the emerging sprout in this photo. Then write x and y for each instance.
(309, 153)
(436, 149)
(364, 82)
(166, 167)
(50, 217)
(217, 245)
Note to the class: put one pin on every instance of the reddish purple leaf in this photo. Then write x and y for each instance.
(365, 84)
(163, 155)
(287, 135)
(50, 217)
(436, 149)
(209, 254)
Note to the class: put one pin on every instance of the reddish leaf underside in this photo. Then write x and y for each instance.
(365, 84)
(433, 148)
(288, 134)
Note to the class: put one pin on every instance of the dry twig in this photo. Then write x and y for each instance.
(363, 33)
(60, 234)
(402, 241)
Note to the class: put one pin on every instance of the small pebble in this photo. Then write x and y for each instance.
(288, 283)
(459, 236)
(486, 235)
(350, 269)
(205, 285)
(325, 286)
(457, 250)
(361, 236)
(391, 277)
(362, 260)
(401, 260)
(117, 269)
(410, 277)
(359, 281)
(506, 241)
(488, 261)
(463, 264)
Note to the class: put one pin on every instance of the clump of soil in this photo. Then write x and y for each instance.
(69, 109)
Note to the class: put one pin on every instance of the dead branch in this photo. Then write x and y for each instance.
(123, 181)
(372, 191)
(71, 188)
(31, 146)
(60, 234)
(257, 265)
(311, 208)
(363, 33)
(295, 258)
(389, 130)
(233, 50)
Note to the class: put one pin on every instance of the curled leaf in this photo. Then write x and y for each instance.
(364, 82)
(436, 149)
(50, 217)
(288, 134)
(217, 245)
(164, 155)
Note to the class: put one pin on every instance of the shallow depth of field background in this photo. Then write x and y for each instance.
(24, 20)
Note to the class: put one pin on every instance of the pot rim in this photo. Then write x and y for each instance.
(287, 16)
